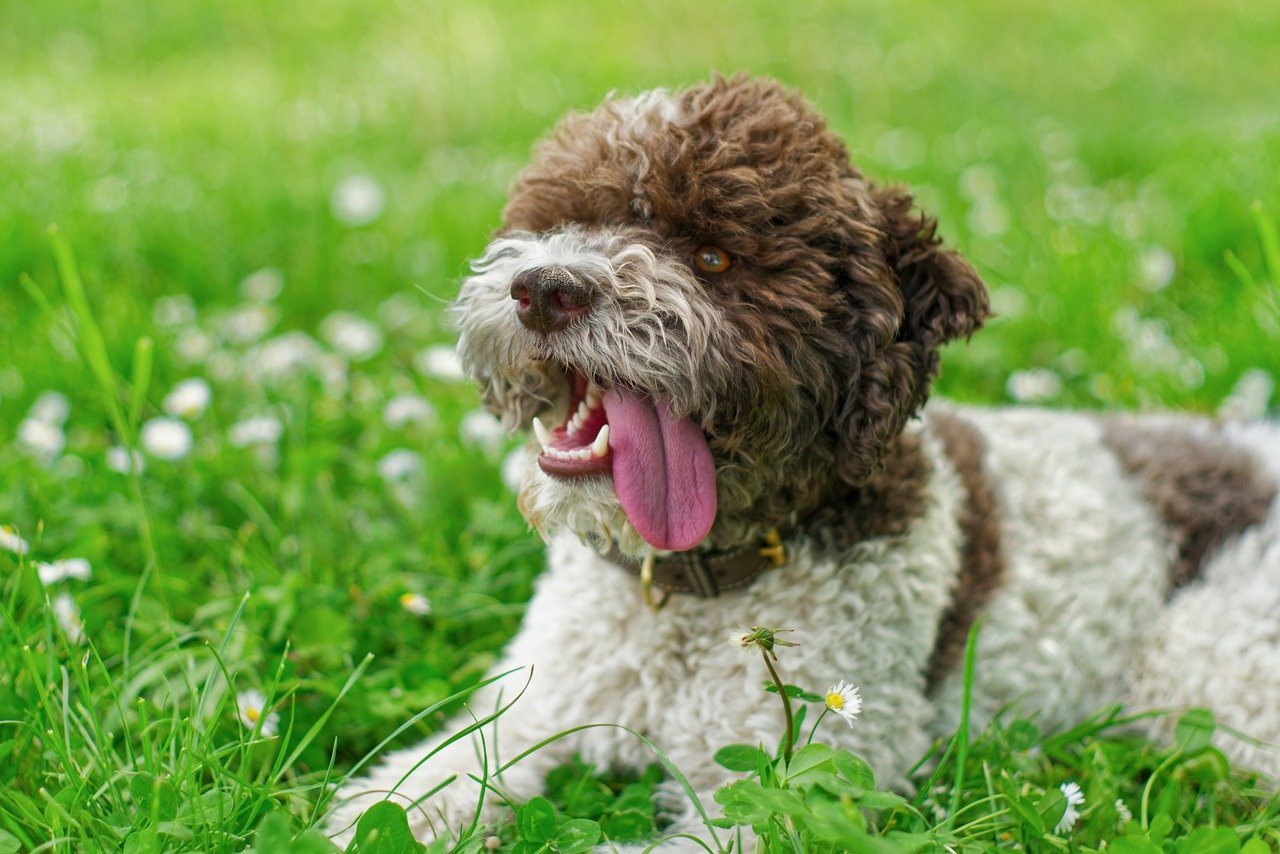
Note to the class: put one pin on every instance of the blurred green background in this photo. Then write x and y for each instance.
(1098, 161)
(1075, 150)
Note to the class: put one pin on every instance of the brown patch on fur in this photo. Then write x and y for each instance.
(838, 301)
(1205, 491)
(885, 505)
(981, 556)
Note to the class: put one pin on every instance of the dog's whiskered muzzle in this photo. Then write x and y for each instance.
(548, 299)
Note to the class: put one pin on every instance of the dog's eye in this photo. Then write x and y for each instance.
(712, 259)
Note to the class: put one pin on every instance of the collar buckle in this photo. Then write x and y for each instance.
(774, 549)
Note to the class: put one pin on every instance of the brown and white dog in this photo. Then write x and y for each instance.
(723, 337)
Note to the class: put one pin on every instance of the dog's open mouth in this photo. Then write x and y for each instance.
(663, 471)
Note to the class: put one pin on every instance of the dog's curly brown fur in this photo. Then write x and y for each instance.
(837, 303)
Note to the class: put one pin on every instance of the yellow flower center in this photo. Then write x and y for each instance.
(406, 599)
(835, 702)
(253, 715)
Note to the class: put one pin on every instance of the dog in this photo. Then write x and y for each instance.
(721, 337)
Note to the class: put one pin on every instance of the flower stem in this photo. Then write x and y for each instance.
(789, 738)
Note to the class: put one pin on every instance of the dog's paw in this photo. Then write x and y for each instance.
(446, 814)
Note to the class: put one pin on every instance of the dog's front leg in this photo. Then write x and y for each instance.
(570, 670)
(449, 780)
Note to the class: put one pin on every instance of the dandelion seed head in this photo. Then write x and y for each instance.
(761, 638)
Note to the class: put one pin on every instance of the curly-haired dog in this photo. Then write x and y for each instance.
(722, 336)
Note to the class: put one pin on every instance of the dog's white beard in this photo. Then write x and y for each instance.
(586, 507)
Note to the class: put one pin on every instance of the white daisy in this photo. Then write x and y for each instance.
(119, 459)
(166, 438)
(1249, 397)
(403, 312)
(67, 613)
(441, 362)
(248, 323)
(400, 464)
(188, 399)
(193, 346)
(176, 310)
(51, 407)
(351, 335)
(255, 430)
(1156, 267)
(282, 357)
(415, 603)
(335, 374)
(1075, 799)
(262, 285)
(408, 409)
(43, 440)
(1036, 384)
(1123, 816)
(357, 200)
(516, 466)
(479, 429)
(11, 542)
(60, 570)
(250, 706)
(843, 699)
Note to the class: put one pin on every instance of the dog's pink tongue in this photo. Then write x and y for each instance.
(663, 473)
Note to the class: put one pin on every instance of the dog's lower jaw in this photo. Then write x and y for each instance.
(585, 507)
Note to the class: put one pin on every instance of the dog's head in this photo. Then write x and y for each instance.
(717, 319)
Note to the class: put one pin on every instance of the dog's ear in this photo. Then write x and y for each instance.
(909, 296)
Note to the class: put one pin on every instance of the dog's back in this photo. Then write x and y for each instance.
(1136, 560)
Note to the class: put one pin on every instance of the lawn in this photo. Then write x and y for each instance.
(277, 201)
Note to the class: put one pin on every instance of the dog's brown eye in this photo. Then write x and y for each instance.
(712, 259)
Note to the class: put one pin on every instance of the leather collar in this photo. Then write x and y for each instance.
(708, 573)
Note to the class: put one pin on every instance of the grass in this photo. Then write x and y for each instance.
(1099, 162)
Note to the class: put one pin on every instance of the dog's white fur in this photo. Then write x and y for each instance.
(1078, 624)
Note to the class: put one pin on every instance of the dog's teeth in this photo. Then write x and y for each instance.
(544, 438)
(583, 411)
(600, 446)
(593, 396)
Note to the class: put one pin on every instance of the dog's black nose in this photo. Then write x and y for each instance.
(550, 298)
